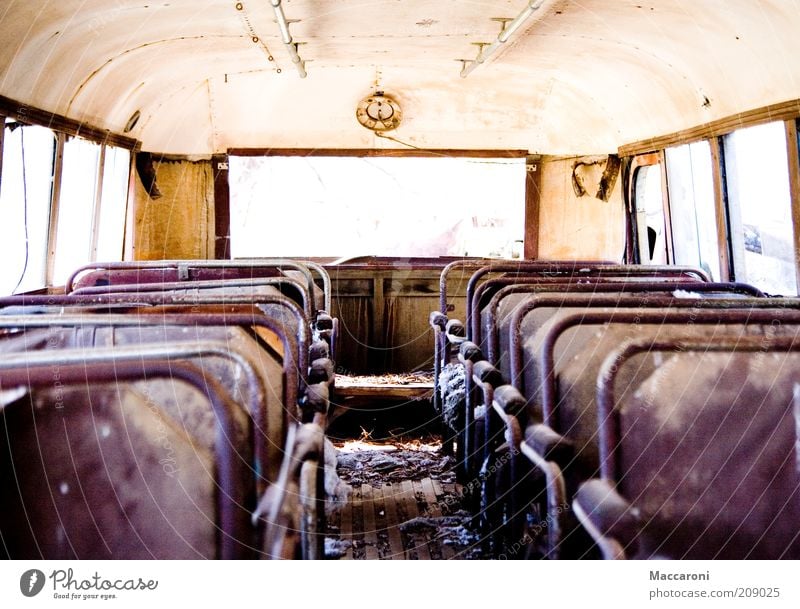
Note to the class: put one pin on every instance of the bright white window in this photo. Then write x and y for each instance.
(348, 206)
(760, 208)
(650, 215)
(111, 229)
(76, 207)
(25, 195)
(691, 203)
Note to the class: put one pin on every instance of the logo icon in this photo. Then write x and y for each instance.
(31, 582)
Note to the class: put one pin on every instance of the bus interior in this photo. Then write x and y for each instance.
(495, 279)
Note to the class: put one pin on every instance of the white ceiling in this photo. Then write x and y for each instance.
(581, 77)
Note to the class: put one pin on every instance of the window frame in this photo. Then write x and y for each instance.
(638, 162)
(721, 209)
(55, 195)
(532, 186)
(793, 157)
(654, 151)
(36, 249)
(52, 237)
(719, 195)
(64, 128)
(2, 142)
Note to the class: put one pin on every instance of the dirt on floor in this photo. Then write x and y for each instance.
(365, 462)
(437, 528)
(404, 378)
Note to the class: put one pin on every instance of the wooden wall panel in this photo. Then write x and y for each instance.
(578, 228)
(179, 224)
(355, 316)
(383, 318)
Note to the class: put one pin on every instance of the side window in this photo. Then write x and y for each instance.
(760, 208)
(650, 224)
(92, 206)
(113, 207)
(691, 204)
(25, 196)
(76, 207)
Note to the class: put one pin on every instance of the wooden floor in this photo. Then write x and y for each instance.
(407, 520)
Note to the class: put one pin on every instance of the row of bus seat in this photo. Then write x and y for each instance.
(623, 411)
(167, 410)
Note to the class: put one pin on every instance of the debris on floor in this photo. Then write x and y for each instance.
(336, 490)
(405, 504)
(452, 391)
(376, 467)
(336, 548)
(406, 378)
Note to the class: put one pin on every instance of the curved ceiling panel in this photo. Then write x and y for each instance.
(581, 77)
